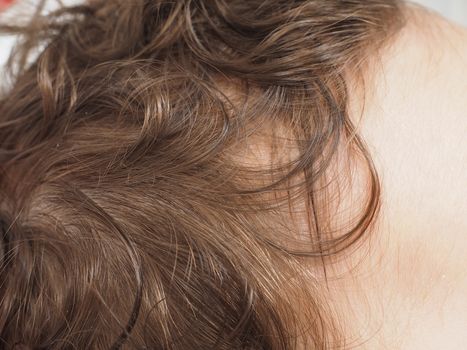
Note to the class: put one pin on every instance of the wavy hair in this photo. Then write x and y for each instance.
(171, 172)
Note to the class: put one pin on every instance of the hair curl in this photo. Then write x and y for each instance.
(168, 167)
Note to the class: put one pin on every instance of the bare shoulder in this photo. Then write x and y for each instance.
(415, 124)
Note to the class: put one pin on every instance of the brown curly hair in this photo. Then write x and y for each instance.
(168, 173)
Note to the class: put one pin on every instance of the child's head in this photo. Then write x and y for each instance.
(173, 173)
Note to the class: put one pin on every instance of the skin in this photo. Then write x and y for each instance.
(407, 287)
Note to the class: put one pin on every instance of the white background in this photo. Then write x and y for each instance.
(453, 9)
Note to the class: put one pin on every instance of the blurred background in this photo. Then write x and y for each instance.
(455, 10)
